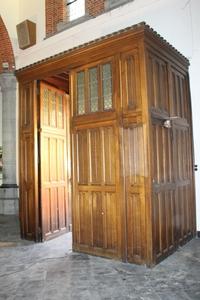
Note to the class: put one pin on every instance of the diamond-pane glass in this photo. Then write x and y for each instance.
(81, 93)
(60, 111)
(93, 88)
(46, 107)
(53, 109)
(107, 86)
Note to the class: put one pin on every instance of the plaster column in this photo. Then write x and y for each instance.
(9, 189)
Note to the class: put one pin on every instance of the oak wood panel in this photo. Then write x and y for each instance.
(134, 188)
(158, 83)
(172, 157)
(53, 161)
(179, 97)
(95, 201)
(29, 214)
(172, 189)
(131, 84)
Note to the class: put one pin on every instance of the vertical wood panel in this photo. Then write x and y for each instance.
(109, 167)
(29, 214)
(111, 221)
(96, 213)
(54, 137)
(97, 219)
(171, 158)
(85, 218)
(134, 230)
(134, 174)
(158, 83)
(131, 92)
(82, 157)
(95, 156)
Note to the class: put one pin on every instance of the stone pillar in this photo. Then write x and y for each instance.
(9, 189)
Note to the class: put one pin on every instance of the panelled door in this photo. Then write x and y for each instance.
(28, 166)
(95, 140)
(172, 186)
(172, 159)
(53, 139)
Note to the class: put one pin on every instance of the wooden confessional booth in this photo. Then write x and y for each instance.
(122, 140)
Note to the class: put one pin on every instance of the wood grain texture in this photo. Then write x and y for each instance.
(172, 159)
(29, 202)
(133, 180)
(54, 197)
(95, 205)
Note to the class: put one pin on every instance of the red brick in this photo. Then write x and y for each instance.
(55, 11)
(6, 50)
(95, 7)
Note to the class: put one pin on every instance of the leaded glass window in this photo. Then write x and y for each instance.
(60, 111)
(81, 93)
(46, 107)
(53, 109)
(93, 89)
(107, 86)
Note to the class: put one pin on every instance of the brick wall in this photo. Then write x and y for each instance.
(6, 50)
(56, 12)
(95, 7)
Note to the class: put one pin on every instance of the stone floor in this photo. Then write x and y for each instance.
(51, 271)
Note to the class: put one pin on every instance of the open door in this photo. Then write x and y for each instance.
(29, 200)
(53, 139)
(44, 161)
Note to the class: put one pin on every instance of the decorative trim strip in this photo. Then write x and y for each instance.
(141, 25)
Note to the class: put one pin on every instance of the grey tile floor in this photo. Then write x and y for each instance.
(51, 271)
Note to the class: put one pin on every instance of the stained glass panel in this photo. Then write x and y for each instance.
(53, 109)
(81, 93)
(107, 86)
(60, 111)
(93, 89)
(46, 107)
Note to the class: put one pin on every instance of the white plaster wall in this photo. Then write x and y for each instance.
(195, 93)
(16, 11)
(171, 18)
(176, 20)
(9, 11)
(34, 10)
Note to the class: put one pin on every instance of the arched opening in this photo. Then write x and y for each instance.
(7, 60)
